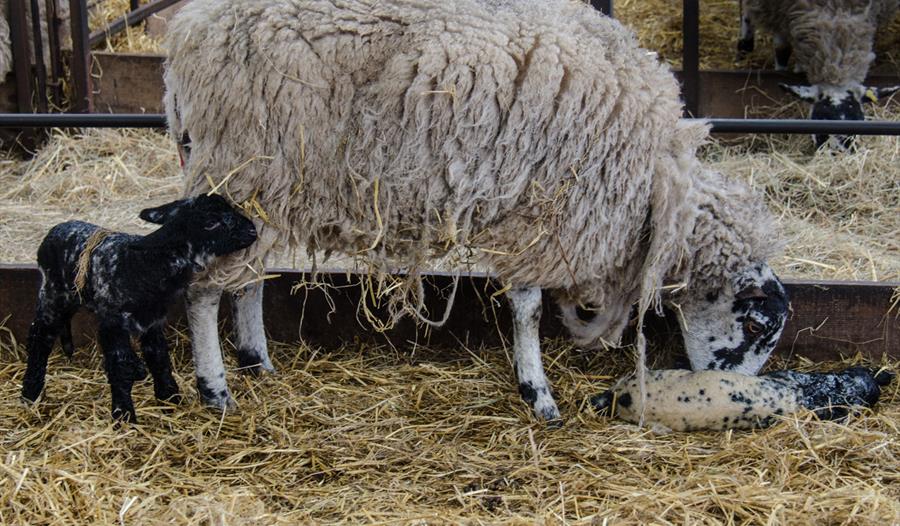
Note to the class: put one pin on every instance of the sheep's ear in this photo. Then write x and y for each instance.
(876, 94)
(804, 93)
(751, 293)
(164, 213)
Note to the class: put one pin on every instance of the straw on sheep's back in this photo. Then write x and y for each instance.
(532, 130)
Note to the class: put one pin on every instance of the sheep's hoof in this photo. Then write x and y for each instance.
(254, 363)
(549, 413)
(220, 403)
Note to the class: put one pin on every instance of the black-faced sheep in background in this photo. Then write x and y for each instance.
(128, 282)
(832, 42)
(536, 136)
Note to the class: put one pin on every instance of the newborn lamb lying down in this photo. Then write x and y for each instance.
(683, 400)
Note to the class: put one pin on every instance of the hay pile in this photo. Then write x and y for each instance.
(658, 26)
(132, 39)
(367, 435)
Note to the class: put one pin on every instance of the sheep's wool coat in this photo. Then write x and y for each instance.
(832, 39)
(5, 44)
(535, 136)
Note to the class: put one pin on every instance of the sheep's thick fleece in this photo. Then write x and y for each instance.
(832, 39)
(535, 133)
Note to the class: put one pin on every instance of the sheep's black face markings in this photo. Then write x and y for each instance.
(737, 328)
(845, 108)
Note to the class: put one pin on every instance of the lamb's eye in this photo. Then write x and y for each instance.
(753, 328)
(211, 225)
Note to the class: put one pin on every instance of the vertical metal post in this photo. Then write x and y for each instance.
(21, 51)
(56, 72)
(604, 6)
(690, 85)
(81, 57)
(39, 67)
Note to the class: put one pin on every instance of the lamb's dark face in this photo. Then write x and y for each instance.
(211, 225)
(736, 329)
(837, 103)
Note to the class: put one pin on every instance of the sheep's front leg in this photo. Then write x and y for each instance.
(203, 315)
(748, 35)
(252, 352)
(123, 368)
(156, 355)
(533, 384)
(782, 52)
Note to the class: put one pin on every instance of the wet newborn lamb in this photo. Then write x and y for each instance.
(682, 400)
(128, 281)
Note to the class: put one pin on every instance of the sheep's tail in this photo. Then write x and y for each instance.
(671, 222)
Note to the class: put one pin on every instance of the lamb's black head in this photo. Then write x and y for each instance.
(735, 328)
(839, 104)
(208, 223)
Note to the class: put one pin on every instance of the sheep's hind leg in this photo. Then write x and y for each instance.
(156, 354)
(203, 315)
(746, 43)
(533, 384)
(123, 368)
(782, 53)
(252, 352)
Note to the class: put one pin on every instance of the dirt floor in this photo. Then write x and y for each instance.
(374, 436)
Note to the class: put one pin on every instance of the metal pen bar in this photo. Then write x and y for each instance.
(134, 17)
(81, 58)
(690, 86)
(150, 120)
(604, 6)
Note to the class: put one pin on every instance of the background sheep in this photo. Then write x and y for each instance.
(832, 42)
(680, 400)
(534, 135)
(129, 282)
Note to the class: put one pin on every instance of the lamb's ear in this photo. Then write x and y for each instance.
(805, 93)
(876, 94)
(751, 293)
(162, 214)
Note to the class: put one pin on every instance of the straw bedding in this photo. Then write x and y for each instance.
(366, 435)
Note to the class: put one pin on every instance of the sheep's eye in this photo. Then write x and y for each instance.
(212, 225)
(753, 328)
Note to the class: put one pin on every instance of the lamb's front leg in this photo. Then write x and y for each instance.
(156, 355)
(533, 384)
(748, 35)
(123, 367)
(203, 315)
(252, 352)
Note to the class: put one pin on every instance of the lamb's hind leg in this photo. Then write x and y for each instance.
(50, 319)
(533, 384)
(203, 315)
(123, 368)
(252, 352)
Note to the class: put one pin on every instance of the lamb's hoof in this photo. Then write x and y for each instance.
(602, 403)
(30, 394)
(254, 363)
(124, 415)
(173, 398)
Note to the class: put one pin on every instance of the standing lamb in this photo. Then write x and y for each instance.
(129, 282)
(535, 136)
(832, 41)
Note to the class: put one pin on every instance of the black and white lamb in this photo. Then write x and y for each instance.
(832, 42)
(128, 282)
(534, 137)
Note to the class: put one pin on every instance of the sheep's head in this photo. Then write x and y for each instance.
(735, 328)
(208, 223)
(839, 104)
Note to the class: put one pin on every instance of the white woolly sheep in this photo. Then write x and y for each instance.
(832, 42)
(65, 38)
(680, 400)
(129, 282)
(533, 134)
